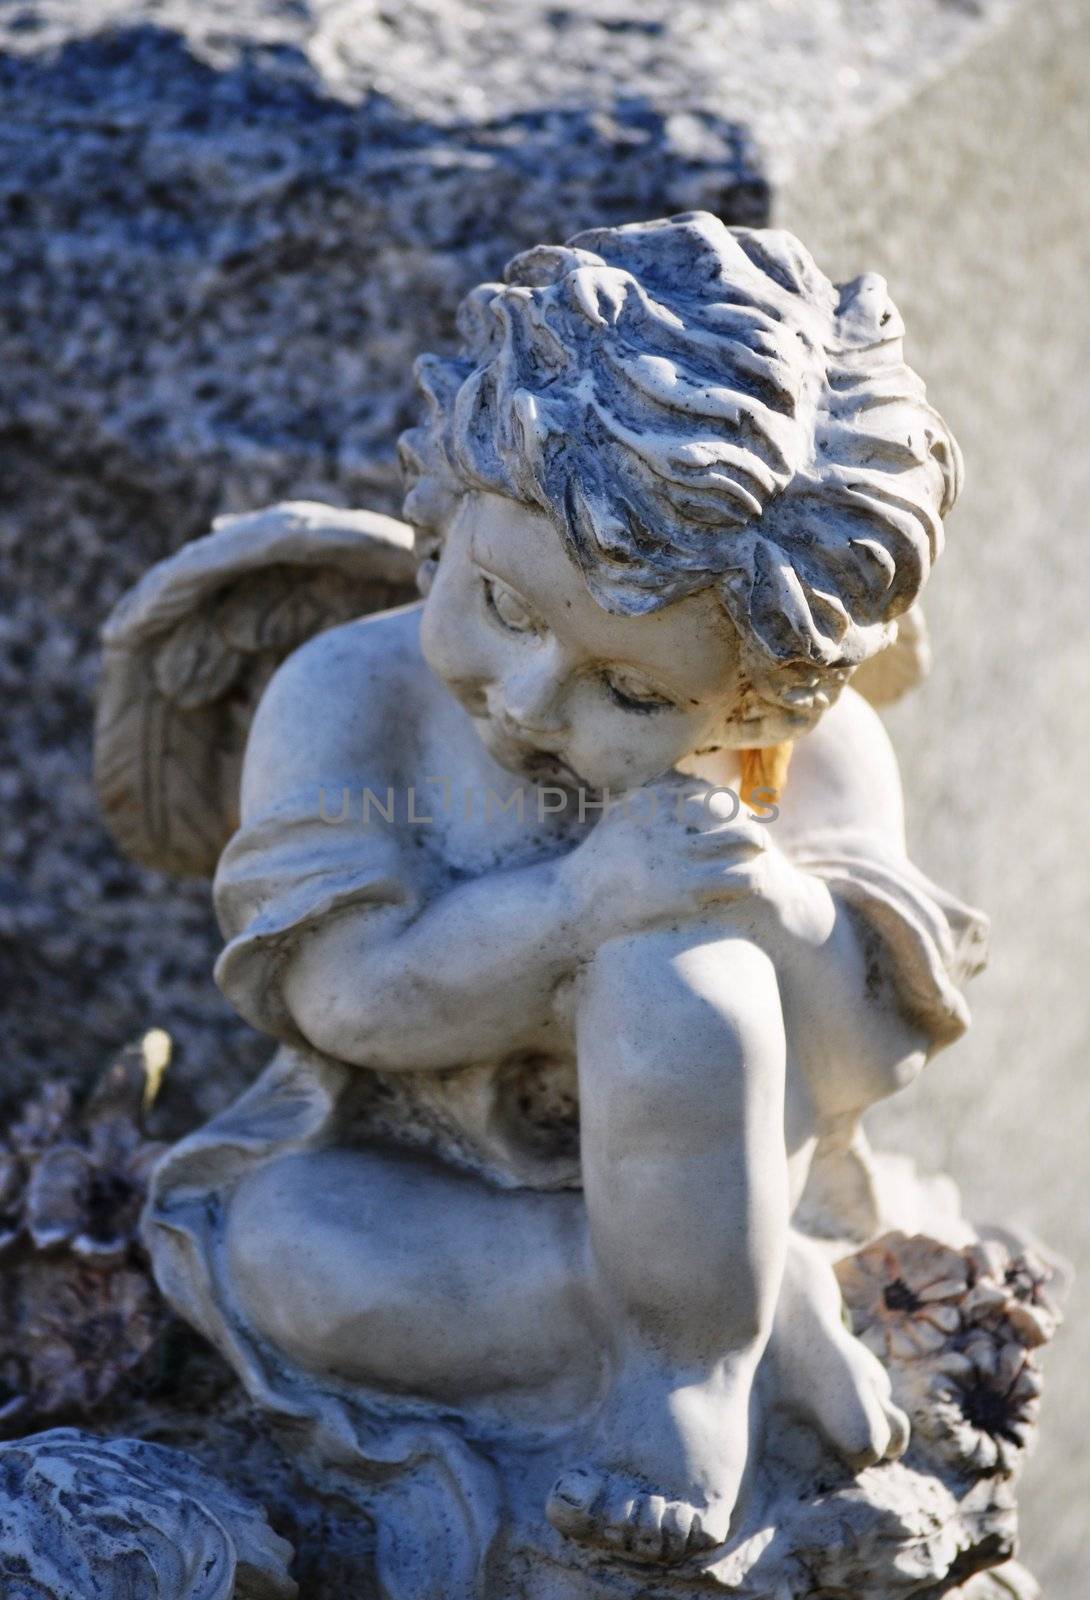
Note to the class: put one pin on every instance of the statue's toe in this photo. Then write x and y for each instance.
(613, 1513)
(572, 1502)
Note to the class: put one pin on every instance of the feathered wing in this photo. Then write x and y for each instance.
(189, 650)
(898, 668)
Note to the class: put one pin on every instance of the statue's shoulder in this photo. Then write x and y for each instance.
(844, 775)
(341, 706)
(350, 668)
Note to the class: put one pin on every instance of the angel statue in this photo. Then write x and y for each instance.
(527, 1232)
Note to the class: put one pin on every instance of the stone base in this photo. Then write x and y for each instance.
(385, 1506)
(88, 1517)
(957, 1320)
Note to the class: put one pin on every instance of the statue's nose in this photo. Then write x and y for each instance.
(546, 735)
(533, 710)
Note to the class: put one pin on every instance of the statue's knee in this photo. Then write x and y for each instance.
(614, 976)
(292, 1274)
(679, 1026)
(259, 1226)
(655, 982)
(625, 972)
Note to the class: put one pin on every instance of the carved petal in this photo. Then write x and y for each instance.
(903, 664)
(57, 1195)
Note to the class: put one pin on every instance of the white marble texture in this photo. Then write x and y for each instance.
(578, 1055)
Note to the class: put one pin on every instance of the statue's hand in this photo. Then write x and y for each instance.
(672, 851)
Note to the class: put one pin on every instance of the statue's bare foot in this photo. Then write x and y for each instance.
(663, 1481)
(824, 1373)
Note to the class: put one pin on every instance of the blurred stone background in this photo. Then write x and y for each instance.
(226, 233)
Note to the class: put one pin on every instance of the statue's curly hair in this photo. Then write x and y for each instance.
(695, 405)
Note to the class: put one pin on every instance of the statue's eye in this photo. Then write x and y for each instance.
(514, 613)
(633, 692)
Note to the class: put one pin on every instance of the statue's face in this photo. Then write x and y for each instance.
(560, 690)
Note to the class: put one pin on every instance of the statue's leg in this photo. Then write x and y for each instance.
(823, 1372)
(394, 1271)
(682, 1062)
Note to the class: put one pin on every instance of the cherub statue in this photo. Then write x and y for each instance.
(580, 992)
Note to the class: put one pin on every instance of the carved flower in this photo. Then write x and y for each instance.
(80, 1311)
(84, 1331)
(956, 1328)
(1012, 1291)
(904, 1294)
(977, 1406)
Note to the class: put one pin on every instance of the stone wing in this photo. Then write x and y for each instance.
(898, 668)
(189, 650)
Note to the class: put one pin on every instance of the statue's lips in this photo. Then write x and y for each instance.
(527, 760)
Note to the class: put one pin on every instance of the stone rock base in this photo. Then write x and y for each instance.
(103, 1519)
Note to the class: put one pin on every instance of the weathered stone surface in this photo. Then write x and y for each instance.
(100, 1518)
(1008, 1582)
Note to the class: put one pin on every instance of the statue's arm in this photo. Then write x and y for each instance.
(475, 972)
(369, 963)
(472, 976)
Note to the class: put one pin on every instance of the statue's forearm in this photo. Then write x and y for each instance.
(471, 976)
